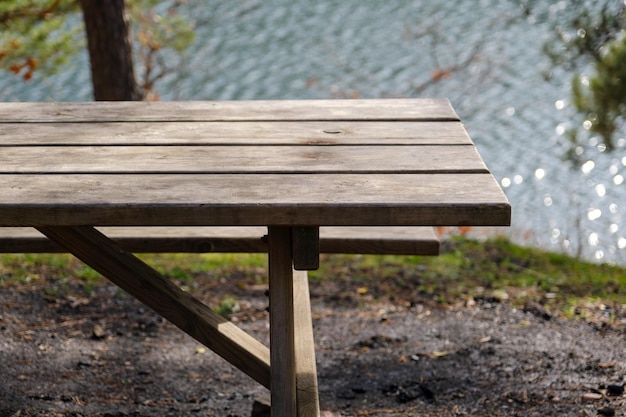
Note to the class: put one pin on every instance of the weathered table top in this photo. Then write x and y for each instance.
(283, 163)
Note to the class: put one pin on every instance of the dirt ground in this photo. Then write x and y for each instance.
(104, 354)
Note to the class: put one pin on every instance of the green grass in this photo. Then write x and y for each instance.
(500, 264)
(186, 267)
(466, 270)
(495, 270)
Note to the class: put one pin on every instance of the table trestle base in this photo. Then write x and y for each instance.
(292, 379)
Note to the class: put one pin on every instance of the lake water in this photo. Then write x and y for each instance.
(254, 49)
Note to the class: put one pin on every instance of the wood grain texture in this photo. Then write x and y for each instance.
(253, 200)
(167, 299)
(425, 109)
(306, 368)
(361, 162)
(356, 240)
(282, 348)
(229, 133)
(241, 159)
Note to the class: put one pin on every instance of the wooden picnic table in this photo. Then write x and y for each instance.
(293, 166)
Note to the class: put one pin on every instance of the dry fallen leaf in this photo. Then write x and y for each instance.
(592, 396)
(607, 365)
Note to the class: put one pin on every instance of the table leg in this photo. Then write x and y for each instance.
(306, 369)
(282, 349)
(294, 388)
(292, 375)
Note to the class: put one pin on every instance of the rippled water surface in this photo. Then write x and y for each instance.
(485, 56)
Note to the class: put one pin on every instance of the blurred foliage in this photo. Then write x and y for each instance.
(602, 97)
(592, 39)
(161, 30)
(580, 39)
(35, 35)
(42, 35)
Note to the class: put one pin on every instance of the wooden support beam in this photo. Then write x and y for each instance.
(306, 369)
(398, 240)
(151, 288)
(282, 350)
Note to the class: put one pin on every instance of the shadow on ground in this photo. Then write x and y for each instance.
(106, 355)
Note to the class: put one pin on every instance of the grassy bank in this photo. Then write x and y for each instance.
(468, 272)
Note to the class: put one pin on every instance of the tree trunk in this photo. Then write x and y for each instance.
(108, 41)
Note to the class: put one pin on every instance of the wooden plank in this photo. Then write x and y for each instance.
(306, 368)
(282, 348)
(253, 200)
(148, 239)
(230, 133)
(388, 240)
(244, 159)
(167, 299)
(423, 109)
(362, 240)
(182, 244)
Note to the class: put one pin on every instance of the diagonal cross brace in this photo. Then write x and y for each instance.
(157, 292)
